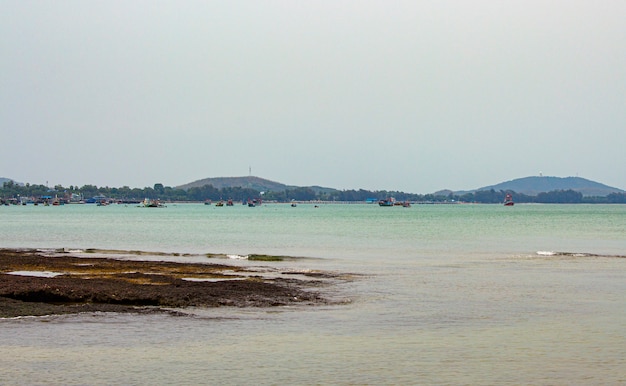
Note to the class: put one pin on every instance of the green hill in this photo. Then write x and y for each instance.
(257, 183)
(528, 185)
(3, 180)
(250, 182)
(533, 185)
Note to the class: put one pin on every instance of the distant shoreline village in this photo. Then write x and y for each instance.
(252, 191)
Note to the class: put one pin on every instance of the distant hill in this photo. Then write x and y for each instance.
(251, 182)
(3, 180)
(533, 185)
(528, 185)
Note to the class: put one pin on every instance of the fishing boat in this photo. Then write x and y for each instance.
(387, 202)
(508, 200)
(254, 202)
(148, 203)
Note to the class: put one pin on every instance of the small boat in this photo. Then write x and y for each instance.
(229, 203)
(148, 203)
(508, 200)
(219, 203)
(387, 202)
(254, 202)
(96, 199)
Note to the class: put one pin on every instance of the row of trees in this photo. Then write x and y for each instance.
(11, 190)
(554, 197)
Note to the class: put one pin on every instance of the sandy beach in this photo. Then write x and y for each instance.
(38, 283)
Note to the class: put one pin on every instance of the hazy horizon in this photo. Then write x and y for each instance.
(416, 96)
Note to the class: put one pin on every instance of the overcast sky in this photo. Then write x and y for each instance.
(411, 95)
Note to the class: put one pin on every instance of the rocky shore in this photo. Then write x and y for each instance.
(36, 283)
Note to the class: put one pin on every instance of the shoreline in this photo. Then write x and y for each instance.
(34, 283)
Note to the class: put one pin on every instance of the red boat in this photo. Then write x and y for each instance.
(508, 200)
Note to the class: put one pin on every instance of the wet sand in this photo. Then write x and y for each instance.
(79, 284)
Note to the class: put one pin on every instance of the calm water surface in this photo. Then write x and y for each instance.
(446, 294)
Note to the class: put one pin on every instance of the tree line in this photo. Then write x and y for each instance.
(568, 196)
(11, 190)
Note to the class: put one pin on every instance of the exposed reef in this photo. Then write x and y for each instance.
(34, 282)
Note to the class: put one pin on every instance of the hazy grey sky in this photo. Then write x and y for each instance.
(398, 95)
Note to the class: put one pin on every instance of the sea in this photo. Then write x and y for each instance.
(458, 294)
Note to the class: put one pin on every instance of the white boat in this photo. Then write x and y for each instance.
(148, 203)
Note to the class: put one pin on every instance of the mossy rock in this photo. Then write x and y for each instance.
(265, 258)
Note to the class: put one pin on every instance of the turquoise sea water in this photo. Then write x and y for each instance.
(445, 294)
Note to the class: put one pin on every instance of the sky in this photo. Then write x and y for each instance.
(415, 96)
